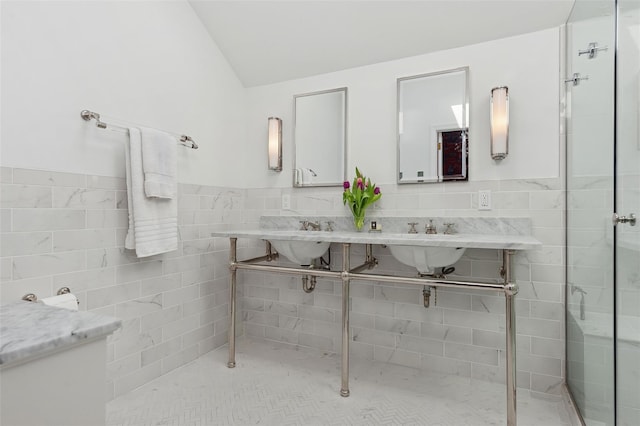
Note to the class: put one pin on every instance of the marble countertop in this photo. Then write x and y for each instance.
(483, 241)
(29, 329)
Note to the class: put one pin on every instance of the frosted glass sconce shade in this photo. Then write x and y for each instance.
(275, 144)
(499, 122)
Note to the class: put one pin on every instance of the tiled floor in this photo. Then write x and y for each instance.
(277, 385)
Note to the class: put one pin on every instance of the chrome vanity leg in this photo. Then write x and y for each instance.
(344, 389)
(232, 303)
(511, 289)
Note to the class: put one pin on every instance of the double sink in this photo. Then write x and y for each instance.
(423, 257)
(421, 251)
(301, 252)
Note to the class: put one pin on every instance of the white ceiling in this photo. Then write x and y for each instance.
(270, 41)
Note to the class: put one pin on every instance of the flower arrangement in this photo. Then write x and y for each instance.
(359, 196)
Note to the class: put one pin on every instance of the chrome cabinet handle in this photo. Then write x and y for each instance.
(631, 219)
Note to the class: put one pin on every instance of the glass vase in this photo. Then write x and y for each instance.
(358, 221)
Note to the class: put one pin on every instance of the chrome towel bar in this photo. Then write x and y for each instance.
(90, 115)
(30, 297)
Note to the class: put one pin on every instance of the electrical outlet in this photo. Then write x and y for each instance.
(484, 200)
(286, 202)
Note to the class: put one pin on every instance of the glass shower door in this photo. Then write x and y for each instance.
(590, 56)
(627, 201)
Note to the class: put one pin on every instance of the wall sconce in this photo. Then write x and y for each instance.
(275, 144)
(499, 122)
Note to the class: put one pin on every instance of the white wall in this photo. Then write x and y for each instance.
(149, 63)
(528, 64)
(591, 103)
(629, 93)
(61, 57)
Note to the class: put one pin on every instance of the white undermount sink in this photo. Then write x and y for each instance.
(425, 259)
(301, 252)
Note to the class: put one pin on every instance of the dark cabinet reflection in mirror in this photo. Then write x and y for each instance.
(453, 161)
(433, 129)
(454, 146)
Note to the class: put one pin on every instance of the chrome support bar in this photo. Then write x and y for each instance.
(344, 388)
(232, 303)
(266, 258)
(369, 263)
(335, 275)
(510, 290)
(492, 286)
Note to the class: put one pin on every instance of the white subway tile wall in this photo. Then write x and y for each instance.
(64, 229)
(463, 332)
(68, 229)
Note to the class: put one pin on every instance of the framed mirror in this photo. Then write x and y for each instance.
(320, 138)
(433, 129)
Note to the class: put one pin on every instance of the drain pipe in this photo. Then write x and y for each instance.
(426, 290)
(308, 283)
(426, 295)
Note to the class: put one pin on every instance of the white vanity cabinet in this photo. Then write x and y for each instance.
(52, 365)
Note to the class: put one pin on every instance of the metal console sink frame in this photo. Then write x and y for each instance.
(418, 250)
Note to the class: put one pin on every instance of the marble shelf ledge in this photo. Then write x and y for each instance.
(482, 241)
(599, 324)
(29, 330)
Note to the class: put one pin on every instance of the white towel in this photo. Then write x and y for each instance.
(153, 222)
(159, 163)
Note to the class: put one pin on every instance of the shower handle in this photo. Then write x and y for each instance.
(631, 219)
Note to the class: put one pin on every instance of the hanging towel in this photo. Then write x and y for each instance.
(153, 222)
(159, 163)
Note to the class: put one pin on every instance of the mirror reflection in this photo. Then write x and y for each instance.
(433, 129)
(320, 135)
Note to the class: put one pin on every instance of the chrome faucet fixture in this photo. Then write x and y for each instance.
(315, 226)
(430, 228)
(575, 288)
(306, 225)
(449, 228)
(412, 227)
